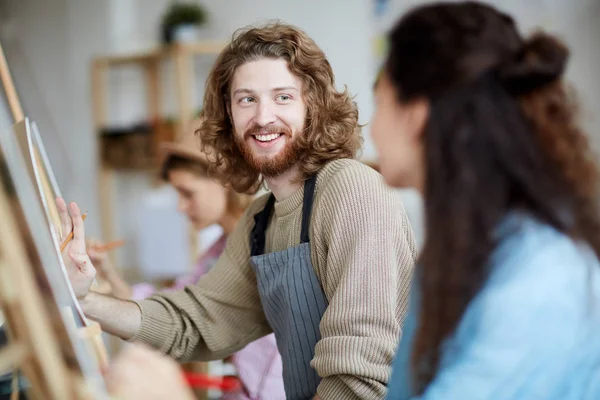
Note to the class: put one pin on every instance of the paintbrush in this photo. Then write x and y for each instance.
(109, 246)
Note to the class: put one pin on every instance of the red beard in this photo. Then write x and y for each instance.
(269, 167)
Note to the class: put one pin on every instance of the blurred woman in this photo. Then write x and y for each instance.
(506, 299)
(205, 202)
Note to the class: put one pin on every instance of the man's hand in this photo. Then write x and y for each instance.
(80, 269)
(141, 373)
(117, 317)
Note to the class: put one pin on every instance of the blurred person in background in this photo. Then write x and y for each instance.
(205, 202)
(506, 295)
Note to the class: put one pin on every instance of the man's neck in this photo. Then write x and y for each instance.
(286, 184)
(229, 222)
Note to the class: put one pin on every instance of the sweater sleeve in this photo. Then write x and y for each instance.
(366, 253)
(215, 317)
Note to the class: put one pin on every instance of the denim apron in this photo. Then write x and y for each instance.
(292, 298)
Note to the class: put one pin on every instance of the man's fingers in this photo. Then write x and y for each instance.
(65, 218)
(78, 230)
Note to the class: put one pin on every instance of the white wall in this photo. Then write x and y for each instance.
(48, 45)
(38, 64)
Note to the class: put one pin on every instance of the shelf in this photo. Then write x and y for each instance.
(162, 52)
(144, 147)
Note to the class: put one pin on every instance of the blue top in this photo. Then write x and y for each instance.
(532, 332)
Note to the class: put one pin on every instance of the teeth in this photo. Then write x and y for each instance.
(267, 138)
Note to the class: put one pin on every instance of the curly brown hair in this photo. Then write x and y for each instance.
(502, 135)
(331, 128)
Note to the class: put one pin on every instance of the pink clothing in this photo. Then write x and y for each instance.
(260, 370)
(258, 364)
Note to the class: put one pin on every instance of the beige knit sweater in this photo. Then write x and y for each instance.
(363, 252)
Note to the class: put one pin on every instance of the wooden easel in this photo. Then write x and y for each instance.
(33, 347)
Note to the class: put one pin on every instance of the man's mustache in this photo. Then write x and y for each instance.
(266, 130)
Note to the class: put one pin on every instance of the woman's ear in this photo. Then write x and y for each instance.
(418, 114)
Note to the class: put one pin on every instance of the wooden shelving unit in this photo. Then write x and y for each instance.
(182, 56)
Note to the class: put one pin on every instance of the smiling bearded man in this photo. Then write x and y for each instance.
(324, 260)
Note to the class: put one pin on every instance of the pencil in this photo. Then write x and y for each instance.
(70, 237)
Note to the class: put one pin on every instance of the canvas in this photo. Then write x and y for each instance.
(40, 171)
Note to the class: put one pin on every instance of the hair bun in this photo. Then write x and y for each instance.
(541, 60)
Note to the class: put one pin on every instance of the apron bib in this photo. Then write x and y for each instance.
(292, 299)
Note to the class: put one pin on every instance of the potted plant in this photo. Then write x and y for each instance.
(181, 22)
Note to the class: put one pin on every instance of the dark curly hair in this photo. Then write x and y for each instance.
(331, 129)
(502, 135)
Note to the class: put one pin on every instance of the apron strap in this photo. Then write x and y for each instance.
(261, 219)
(307, 203)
